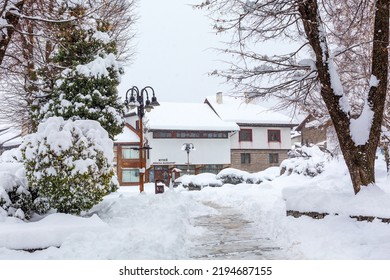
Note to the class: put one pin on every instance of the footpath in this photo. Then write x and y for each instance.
(229, 236)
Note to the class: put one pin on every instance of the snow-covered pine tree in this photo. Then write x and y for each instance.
(87, 87)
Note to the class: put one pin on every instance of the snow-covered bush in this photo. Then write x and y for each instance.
(309, 161)
(16, 199)
(69, 163)
(198, 182)
(226, 176)
(236, 176)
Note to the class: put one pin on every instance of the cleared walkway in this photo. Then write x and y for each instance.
(230, 236)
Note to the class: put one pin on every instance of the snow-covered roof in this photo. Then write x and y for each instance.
(127, 135)
(187, 116)
(237, 110)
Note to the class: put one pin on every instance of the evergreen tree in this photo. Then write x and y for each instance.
(87, 87)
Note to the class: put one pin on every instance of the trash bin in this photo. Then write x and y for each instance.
(159, 186)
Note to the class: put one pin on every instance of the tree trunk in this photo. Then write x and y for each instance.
(361, 166)
(360, 158)
(12, 21)
(386, 152)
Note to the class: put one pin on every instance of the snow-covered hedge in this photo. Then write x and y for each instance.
(198, 182)
(69, 163)
(227, 176)
(236, 176)
(309, 161)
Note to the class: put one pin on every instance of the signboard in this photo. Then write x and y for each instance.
(163, 161)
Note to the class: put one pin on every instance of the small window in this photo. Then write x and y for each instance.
(130, 152)
(273, 158)
(273, 135)
(162, 134)
(245, 135)
(130, 175)
(245, 158)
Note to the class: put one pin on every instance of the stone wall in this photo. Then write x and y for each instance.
(259, 159)
(313, 135)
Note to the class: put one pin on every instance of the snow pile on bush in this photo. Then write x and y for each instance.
(227, 176)
(69, 163)
(198, 182)
(16, 199)
(235, 176)
(309, 161)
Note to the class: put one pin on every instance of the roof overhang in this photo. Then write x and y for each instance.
(291, 125)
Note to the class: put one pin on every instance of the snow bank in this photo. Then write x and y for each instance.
(126, 225)
(332, 192)
(370, 201)
(52, 230)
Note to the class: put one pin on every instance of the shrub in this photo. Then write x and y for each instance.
(198, 182)
(68, 163)
(309, 161)
(235, 176)
(16, 199)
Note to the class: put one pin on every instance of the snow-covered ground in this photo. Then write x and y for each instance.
(129, 225)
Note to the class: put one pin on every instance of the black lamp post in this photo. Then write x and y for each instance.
(137, 100)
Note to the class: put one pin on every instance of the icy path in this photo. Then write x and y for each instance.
(230, 236)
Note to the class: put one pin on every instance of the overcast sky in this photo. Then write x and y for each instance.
(174, 53)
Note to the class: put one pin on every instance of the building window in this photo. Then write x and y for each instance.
(245, 135)
(190, 134)
(245, 158)
(273, 158)
(274, 136)
(162, 134)
(130, 152)
(130, 175)
(211, 168)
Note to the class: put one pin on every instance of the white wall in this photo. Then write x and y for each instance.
(260, 139)
(207, 151)
(132, 120)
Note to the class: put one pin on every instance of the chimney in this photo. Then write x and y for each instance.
(219, 97)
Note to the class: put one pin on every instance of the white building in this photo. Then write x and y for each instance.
(126, 158)
(264, 137)
(224, 131)
(170, 126)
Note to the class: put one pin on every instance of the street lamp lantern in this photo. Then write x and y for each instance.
(148, 107)
(154, 101)
(137, 100)
(188, 147)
